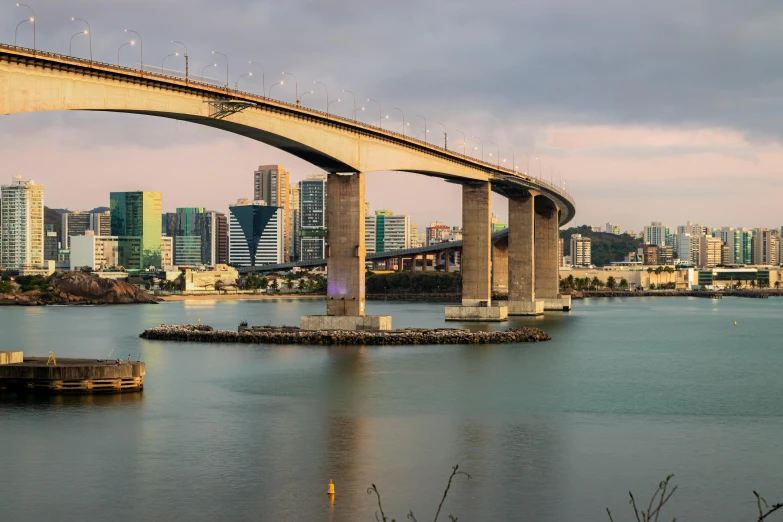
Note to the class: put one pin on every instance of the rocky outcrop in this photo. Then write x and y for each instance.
(78, 288)
(271, 335)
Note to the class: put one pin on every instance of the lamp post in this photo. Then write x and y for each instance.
(132, 42)
(296, 85)
(464, 140)
(425, 126)
(354, 101)
(32, 19)
(186, 56)
(330, 103)
(163, 61)
(263, 77)
(327, 94)
(205, 68)
(226, 58)
(307, 92)
(403, 120)
(88, 32)
(273, 86)
(70, 45)
(513, 159)
(236, 83)
(17, 28)
(498, 147)
(445, 136)
(141, 48)
(380, 111)
(482, 147)
(355, 111)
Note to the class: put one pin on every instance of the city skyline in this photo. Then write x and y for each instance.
(644, 145)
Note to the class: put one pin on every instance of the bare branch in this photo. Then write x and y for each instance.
(411, 516)
(454, 473)
(771, 509)
(610, 515)
(372, 490)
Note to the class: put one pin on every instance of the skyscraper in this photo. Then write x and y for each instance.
(312, 217)
(22, 224)
(581, 250)
(187, 227)
(74, 224)
(656, 234)
(256, 235)
(293, 222)
(136, 221)
(272, 185)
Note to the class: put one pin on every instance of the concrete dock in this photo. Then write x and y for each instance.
(70, 375)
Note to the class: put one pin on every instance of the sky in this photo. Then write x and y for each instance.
(667, 111)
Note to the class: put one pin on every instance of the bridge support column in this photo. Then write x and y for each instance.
(547, 246)
(522, 257)
(345, 302)
(448, 261)
(476, 264)
(500, 267)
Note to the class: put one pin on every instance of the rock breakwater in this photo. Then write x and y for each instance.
(284, 335)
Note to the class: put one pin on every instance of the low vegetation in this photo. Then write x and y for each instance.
(413, 283)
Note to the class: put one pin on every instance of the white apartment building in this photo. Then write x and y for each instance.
(581, 250)
(709, 251)
(656, 234)
(96, 252)
(22, 224)
(385, 232)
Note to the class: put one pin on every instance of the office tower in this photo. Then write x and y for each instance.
(766, 247)
(95, 252)
(370, 233)
(414, 235)
(188, 228)
(293, 221)
(100, 223)
(665, 255)
(710, 249)
(22, 224)
(391, 232)
(74, 224)
(136, 221)
(214, 239)
(221, 239)
(51, 245)
(271, 185)
(256, 235)
(656, 234)
(312, 217)
(581, 254)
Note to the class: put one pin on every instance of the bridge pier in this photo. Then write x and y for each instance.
(476, 264)
(522, 268)
(547, 245)
(345, 253)
(500, 267)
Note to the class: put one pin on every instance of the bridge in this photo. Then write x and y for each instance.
(37, 81)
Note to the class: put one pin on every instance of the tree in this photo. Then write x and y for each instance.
(753, 283)
(274, 285)
(6, 287)
(623, 284)
(611, 283)
(777, 284)
(303, 284)
(263, 283)
(658, 272)
(596, 283)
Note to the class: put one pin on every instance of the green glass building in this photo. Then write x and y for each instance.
(188, 228)
(136, 221)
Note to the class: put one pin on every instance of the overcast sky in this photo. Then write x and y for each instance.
(667, 111)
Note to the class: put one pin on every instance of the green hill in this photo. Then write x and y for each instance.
(605, 247)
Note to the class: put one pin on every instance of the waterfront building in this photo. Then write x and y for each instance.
(272, 185)
(166, 251)
(710, 249)
(656, 234)
(22, 225)
(436, 231)
(766, 247)
(136, 221)
(205, 280)
(312, 217)
(726, 256)
(95, 252)
(389, 232)
(256, 235)
(187, 226)
(581, 254)
(74, 224)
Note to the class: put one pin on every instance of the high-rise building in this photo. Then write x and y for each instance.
(370, 233)
(747, 247)
(648, 254)
(414, 234)
(312, 217)
(293, 220)
(436, 231)
(214, 239)
(51, 246)
(188, 227)
(256, 235)
(561, 252)
(665, 255)
(581, 251)
(391, 232)
(100, 223)
(95, 252)
(272, 185)
(22, 225)
(710, 249)
(136, 221)
(688, 249)
(656, 234)
(766, 247)
(74, 224)
(166, 251)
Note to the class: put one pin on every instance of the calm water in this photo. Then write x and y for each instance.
(628, 391)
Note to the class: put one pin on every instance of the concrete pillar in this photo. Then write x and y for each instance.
(424, 260)
(476, 243)
(400, 262)
(547, 249)
(413, 263)
(448, 261)
(521, 257)
(345, 244)
(500, 267)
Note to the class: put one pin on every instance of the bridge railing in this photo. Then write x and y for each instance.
(560, 191)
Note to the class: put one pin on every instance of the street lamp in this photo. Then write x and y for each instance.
(498, 147)
(163, 61)
(380, 111)
(263, 77)
(464, 140)
(403, 120)
(445, 136)
(354, 101)
(17, 28)
(281, 82)
(425, 126)
(355, 111)
(132, 42)
(482, 147)
(327, 94)
(296, 86)
(32, 19)
(513, 159)
(330, 104)
(70, 45)
(226, 57)
(236, 83)
(307, 92)
(205, 68)
(88, 32)
(186, 56)
(141, 47)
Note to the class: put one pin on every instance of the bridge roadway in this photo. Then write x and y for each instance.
(37, 81)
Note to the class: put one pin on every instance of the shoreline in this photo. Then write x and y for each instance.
(228, 297)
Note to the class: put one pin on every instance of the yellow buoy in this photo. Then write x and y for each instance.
(331, 488)
(735, 323)
(199, 320)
